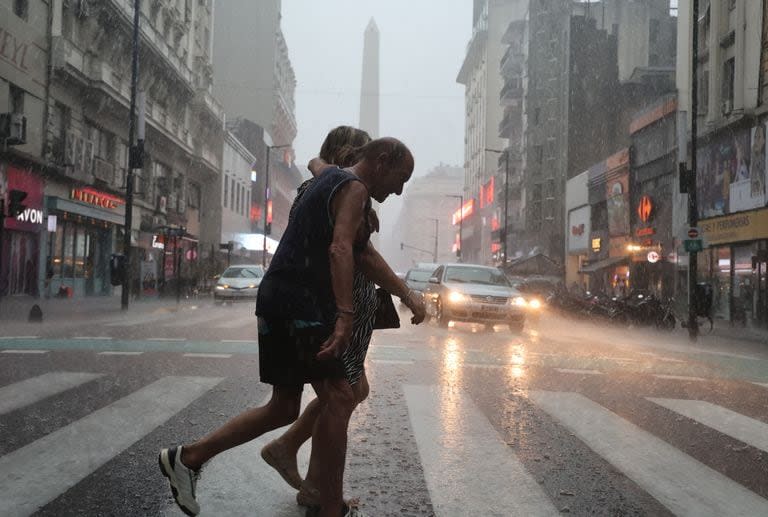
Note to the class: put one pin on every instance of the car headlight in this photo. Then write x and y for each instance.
(456, 297)
(252, 286)
(519, 301)
(222, 287)
(534, 303)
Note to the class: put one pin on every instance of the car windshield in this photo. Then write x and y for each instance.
(419, 275)
(243, 272)
(476, 275)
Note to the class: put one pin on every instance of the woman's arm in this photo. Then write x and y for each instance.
(317, 165)
(375, 268)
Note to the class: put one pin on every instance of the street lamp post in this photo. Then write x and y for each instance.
(134, 160)
(267, 197)
(693, 215)
(460, 197)
(506, 202)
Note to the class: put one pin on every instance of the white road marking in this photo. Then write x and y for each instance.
(391, 361)
(166, 339)
(35, 474)
(29, 391)
(487, 365)
(578, 371)
(678, 377)
(669, 360)
(119, 352)
(13, 351)
(212, 356)
(18, 337)
(238, 481)
(681, 483)
(763, 384)
(735, 425)
(246, 341)
(454, 436)
(99, 338)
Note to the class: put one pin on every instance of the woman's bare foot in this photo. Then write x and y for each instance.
(280, 459)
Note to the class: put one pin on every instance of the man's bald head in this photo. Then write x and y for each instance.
(387, 164)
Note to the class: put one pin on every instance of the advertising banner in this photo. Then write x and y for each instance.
(617, 195)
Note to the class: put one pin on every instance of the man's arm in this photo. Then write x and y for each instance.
(347, 209)
(375, 268)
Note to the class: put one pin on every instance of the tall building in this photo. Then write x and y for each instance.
(590, 66)
(253, 76)
(369, 92)
(75, 94)
(425, 224)
(255, 82)
(731, 152)
(482, 79)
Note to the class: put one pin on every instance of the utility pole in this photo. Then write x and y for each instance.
(460, 197)
(693, 214)
(267, 199)
(437, 229)
(135, 159)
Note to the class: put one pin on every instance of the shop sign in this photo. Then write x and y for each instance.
(653, 257)
(746, 226)
(22, 52)
(32, 218)
(645, 209)
(596, 245)
(579, 229)
(645, 232)
(466, 210)
(617, 195)
(96, 198)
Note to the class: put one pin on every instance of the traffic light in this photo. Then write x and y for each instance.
(15, 206)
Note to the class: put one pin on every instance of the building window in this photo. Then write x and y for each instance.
(226, 189)
(539, 154)
(21, 8)
(703, 92)
(536, 116)
(15, 99)
(236, 203)
(729, 69)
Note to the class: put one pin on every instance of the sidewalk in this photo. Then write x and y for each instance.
(724, 330)
(16, 308)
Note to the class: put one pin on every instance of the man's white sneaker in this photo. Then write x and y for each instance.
(183, 480)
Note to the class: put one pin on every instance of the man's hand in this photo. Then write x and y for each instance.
(338, 342)
(415, 302)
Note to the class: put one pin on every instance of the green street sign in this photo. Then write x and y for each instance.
(692, 245)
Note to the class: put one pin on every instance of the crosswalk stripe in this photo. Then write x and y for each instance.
(735, 425)
(678, 377)
(679, 482)
(453, 436)
(31, 390)
(22, 351)
(35, 474)
(578, 371)
(763, 384)
(209, 356)
(119, 352)
(238, 482)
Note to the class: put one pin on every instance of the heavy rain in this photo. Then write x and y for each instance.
(383, 258)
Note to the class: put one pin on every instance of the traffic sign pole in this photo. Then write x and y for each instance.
(693, 216)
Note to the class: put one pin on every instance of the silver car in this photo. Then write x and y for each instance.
(473, 293)
(238, 283)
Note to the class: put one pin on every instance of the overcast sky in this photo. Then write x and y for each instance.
(422, 46)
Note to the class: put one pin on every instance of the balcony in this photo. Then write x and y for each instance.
(512, 92)
(205, 101)
(511, 124)
(512, 61)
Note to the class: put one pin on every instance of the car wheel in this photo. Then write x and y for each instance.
(439, 316)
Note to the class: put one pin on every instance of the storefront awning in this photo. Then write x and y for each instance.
(602, 264)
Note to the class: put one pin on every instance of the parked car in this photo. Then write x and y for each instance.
(473, 293)
(239, 282)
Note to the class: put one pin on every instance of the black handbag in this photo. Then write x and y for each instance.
(386, 313)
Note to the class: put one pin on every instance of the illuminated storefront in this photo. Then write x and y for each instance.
(86, 227)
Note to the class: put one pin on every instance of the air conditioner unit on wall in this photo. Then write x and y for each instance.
(13, 128)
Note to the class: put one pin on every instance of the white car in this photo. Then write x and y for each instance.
(239, 282)
(473, 293)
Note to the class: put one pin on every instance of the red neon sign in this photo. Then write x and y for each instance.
(487, 193)
(269, 211)
(465, 211)
(94, 197)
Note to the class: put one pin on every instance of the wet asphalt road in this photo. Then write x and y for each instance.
(564, 417)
